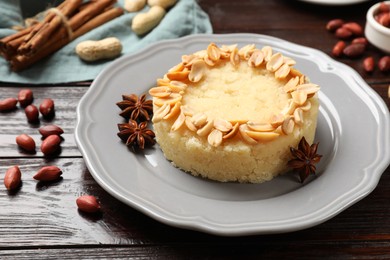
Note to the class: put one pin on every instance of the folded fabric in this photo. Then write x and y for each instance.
(64, 66)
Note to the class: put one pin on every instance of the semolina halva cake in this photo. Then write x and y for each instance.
(232, 114)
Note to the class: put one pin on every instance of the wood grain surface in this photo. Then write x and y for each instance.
(41, 220)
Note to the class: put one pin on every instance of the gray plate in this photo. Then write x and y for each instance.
(353, 131)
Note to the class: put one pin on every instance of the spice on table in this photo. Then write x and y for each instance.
(48, 173)
(26, 142)
(305, 158)
(88, 203)
(12, 178)
(135, 108)
(136, 135)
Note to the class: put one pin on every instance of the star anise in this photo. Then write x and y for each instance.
(135, 108)
(136, 135)
(305, 158)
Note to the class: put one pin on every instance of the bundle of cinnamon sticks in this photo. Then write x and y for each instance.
(61, 25)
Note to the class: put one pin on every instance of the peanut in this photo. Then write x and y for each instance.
(354, 50)
(338, 48)
(47, 130)
(145, 22)
(12, 178)
(334, 24)
(107, 48)
(26, 142)
(360, 40)
(384, 64)
(163, 3)
(88, 203)
(32, 113)
(369, 64)
(47, 108)
(134, 5)
(25, 97)
(50, 145)
(8, 104)
(48, 173)
(383, 14)
(354, 27)
(343, 33)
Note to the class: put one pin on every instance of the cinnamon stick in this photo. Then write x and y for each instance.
(6, 48)
(91, 10)
(48, 27)
(20, 62)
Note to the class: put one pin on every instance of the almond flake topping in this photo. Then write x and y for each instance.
(170, 90)
(197, 71)
(215, 138)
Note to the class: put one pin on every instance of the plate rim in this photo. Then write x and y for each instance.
(215, 228)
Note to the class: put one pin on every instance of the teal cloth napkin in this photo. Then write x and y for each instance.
(64, 66)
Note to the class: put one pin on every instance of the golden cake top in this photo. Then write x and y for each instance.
(261, 94)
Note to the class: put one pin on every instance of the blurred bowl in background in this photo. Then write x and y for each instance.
(376, 33)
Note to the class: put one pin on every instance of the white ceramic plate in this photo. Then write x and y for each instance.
(353, 131)
(334, 2)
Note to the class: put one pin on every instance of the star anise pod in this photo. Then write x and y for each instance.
(136, 135)
(305, 158)
(135, 108)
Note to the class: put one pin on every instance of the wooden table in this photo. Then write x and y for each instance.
(41, 220)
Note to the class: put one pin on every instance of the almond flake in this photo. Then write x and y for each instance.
(171, 99)
(177, 68)
(288, 125)
(299, 97)
(256, 59)
(222, 125)
(163, 82)
(199, 119)
(289, 109)
(160, 91)
(262, 136)
(178, 75)
(277, 120)
(306, 106)
(267, 50)
(291, 85)
(260, 127)
(309, 88)
(177, 86)
(209, 61)
(179, 122)
(162, 111)
(282, 72)
(228, 48)
(213, 52)
(298, 116)
(197, 71)
(190, 125)
(275, 62)
(215, 138)
(187, 111)
(246, 51)
(235, 58)
(243, 132)
(294, 72)
(232, 132)
(175, 110)
(206, 129)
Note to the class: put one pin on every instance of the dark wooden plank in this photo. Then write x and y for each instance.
(45, 214)
(14, 123)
